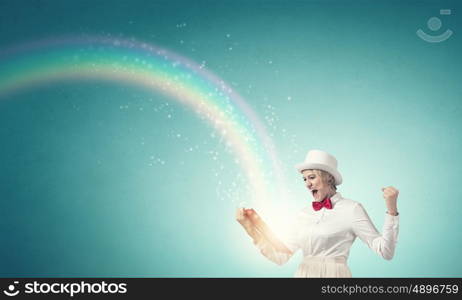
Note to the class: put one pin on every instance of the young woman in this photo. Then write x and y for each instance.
(326, 229)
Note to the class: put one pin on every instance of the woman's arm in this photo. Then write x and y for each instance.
(266, 232)
(383, 244)
(263, 237)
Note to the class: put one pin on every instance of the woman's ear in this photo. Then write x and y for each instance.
(332, 181)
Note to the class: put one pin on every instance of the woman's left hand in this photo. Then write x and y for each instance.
(391, 196)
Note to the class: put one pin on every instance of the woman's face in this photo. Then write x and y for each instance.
(314, 182)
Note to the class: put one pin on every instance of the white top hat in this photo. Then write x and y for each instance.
(320, 160)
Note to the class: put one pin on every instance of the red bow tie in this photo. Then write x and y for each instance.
(324, 203)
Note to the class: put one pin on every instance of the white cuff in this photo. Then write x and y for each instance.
(391, 220)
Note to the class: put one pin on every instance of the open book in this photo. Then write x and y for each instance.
(265, 232)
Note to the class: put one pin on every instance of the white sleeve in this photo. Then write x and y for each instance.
(270, 252)
(383, 244)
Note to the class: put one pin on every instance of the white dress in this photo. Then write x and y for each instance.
(325, 237)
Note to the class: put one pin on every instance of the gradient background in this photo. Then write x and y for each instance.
(97, 180)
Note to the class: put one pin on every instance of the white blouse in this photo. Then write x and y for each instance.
(325, 237)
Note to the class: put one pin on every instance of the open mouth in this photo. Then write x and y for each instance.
(314, 192)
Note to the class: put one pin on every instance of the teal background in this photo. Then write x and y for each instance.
(102, 179)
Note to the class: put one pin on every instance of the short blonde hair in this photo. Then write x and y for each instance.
(326, 177)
